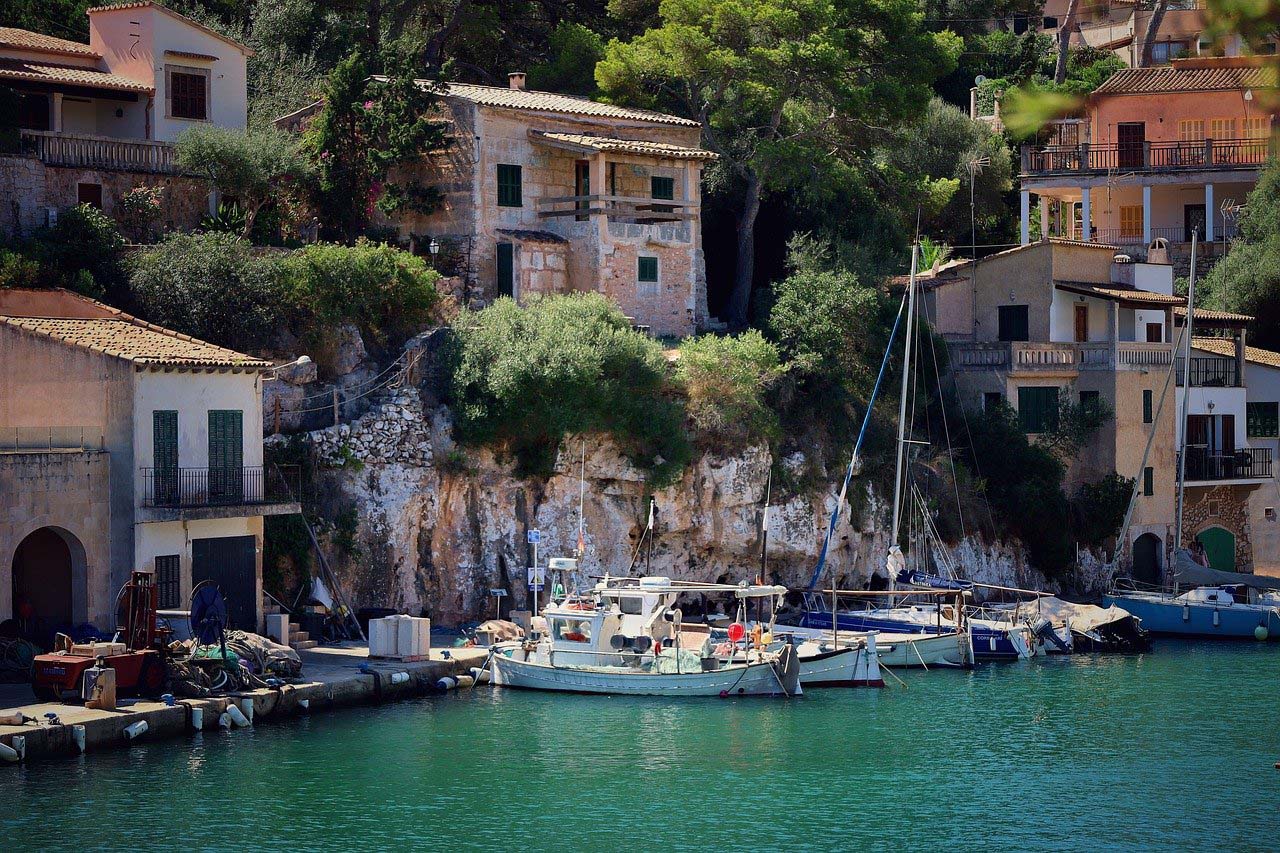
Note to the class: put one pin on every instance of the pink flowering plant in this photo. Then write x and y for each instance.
(138, 211)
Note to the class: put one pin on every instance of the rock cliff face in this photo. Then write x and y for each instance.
(438, 526)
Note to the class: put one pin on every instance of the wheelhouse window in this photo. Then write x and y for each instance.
(510, 185)
(573, 630)
(188, 92)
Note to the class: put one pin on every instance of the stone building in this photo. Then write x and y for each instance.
(97, 119)
(125, 446)
(551, 193)
(1062, 321)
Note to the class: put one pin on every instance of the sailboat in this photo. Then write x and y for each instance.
(965, 639)
(1218, 604)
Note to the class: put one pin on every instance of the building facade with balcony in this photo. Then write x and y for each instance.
(551, 193)
(1161, 151)
(97, 119)
(1059, 322)
(163, 470)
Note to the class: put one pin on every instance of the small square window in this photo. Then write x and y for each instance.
(510, 189)
(647, 269)
(664, 188)
(1013, 323)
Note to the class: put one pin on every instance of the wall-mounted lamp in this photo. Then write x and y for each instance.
(274, 372)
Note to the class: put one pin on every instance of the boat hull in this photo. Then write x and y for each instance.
(1170, 618)
(989, 643)
(839, 667)
(757, 679)
(925, 650)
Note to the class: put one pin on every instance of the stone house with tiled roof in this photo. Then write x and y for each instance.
(125, 446)
(97, 119)
(551, 193)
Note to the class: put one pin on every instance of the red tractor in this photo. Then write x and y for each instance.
(137, 656)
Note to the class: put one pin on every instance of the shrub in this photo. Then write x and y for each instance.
(138, 210)
(18, 270)
(387, 293)
(83, 252)
(525, 377)
(726, 379)
(210, 286)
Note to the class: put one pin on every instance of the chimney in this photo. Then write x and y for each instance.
(516, 80)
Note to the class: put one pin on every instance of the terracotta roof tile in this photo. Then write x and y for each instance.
(553, 102)
(1218, 316)
(630, 146)
(1120, 294)
(1167, 78)
(27, 40)
(124, 336)
(1227, 347)
(16, 69)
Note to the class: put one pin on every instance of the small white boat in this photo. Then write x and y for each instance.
(926, 650)
(852, 664)
(626, 639)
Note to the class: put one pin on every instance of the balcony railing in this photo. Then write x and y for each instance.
(1032, 356)
(1249, 463)
(1145, 156)
(637, 210)
(49, 438)
(1210, 372)
(213, 487)
(83, 151)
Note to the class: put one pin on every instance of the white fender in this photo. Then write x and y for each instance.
(136, 730)
(224, 720)
(304, 704)
(77, 734)
(8, 753)
(446, 683)
(246, 707)
(399, 677)
(237, 716)
(197, 718)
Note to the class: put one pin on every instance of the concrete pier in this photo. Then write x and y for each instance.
(331, 678)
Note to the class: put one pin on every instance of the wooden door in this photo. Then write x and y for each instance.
(1131, 135)
(1155, 333)
(231, 563)
(1192, 218)
(1082, 323)
(164, 456)
(506, 269)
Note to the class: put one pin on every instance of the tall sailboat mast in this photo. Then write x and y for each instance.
(1186, 395)
(902, 401)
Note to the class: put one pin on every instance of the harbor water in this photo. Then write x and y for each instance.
(1170, 750)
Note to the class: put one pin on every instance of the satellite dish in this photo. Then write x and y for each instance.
(979, 80)
(208, 613)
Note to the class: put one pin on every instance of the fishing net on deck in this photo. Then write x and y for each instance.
(668, 664)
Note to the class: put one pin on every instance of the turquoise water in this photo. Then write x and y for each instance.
(1173, 750)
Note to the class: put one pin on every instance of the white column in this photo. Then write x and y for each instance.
(1146, 215)
(55, 112)
(1208, 212)
(1026, 216)
(1086, 230)
(1044, 217)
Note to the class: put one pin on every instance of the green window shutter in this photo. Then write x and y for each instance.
(1262, 420)
(1148, 481)
(510, 191)
(1147, 415)
(226, 455)
(1013, 322)
(664, 188)
(647, 269)
(164, 454)
(506, 269)
(1038, 409)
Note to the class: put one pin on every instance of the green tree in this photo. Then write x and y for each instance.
(523, 377)
(573, 52)
(368, 127)
(727, 380)
(253, 167)
(1247, 280)
(778, 84)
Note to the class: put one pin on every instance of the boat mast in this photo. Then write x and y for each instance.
(902, 401)
(1186, 396)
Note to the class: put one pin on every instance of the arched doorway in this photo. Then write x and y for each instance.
(49, 582)
(1220, 547)
(1148, 559)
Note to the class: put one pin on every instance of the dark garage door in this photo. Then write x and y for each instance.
(230, 563)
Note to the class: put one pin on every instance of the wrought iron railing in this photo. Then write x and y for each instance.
(1145, 156)
(80, 150)
(1210, 372)
(49, 438)
(211, 487)
(1248, 463)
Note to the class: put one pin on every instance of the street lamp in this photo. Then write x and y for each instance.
(434, 248)
(300, 361)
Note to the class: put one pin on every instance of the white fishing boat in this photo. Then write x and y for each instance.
(626, 637)
(947, 650)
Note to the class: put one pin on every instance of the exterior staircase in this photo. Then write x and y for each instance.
(299, 639)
